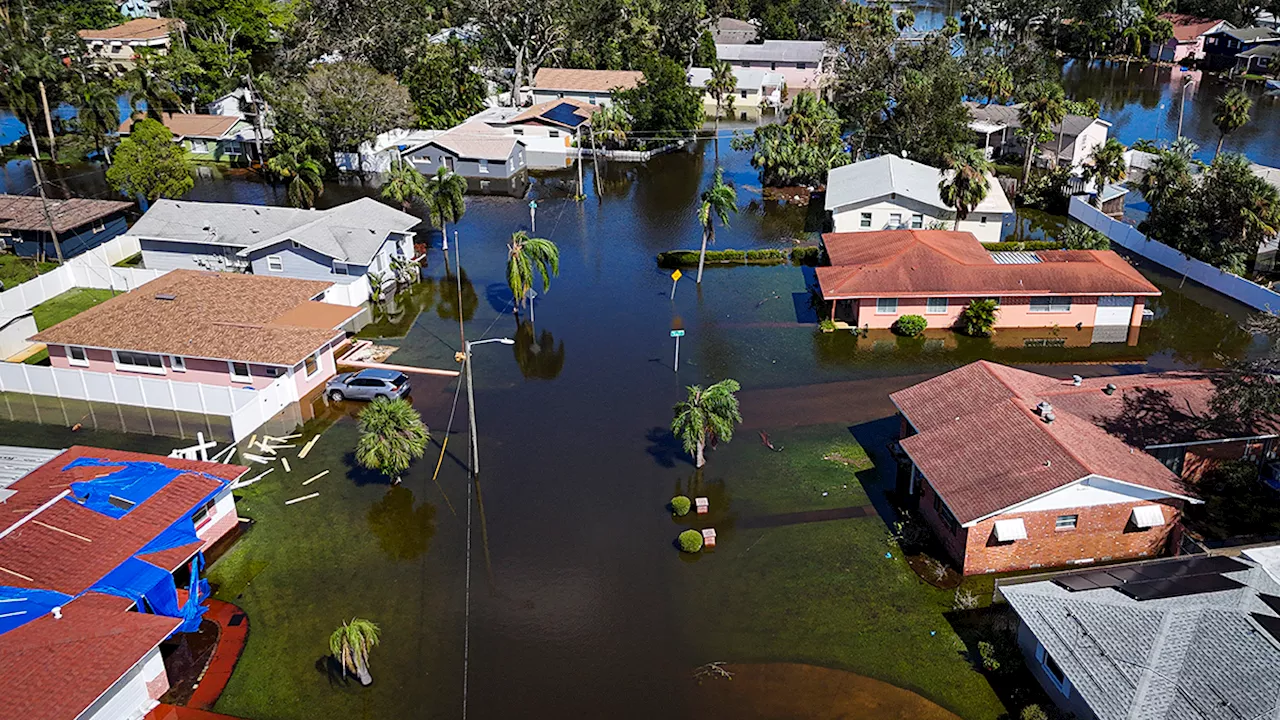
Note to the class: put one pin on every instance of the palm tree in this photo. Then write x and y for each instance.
(717, 202)
(1045, 107)
(996, 84)
(392, 435)
(1169, 176)
(964, 185)
(146, 85)
(294, 159)
(721, 86)
(611, 124)
(44, 68)
(350, 645)
(1105, 167)
(446, 199)
(525, 255)
(1185, 146)
(1232, 114)
(99, 113)
(706, 416)
(405, 186)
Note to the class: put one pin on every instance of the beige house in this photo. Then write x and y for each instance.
(754, 87)
(594, 87)
(118, 46)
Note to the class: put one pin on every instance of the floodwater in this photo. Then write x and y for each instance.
(560, 595)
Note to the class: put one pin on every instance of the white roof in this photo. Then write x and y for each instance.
(17, 462)
(1147, 516)
(1009, 530)
(880, 177)
(1270, 174)
(774, 51)
(747, 78)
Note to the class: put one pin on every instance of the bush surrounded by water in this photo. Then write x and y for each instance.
(910, 325)
(810, 255)
(690, 541)
(689, 258)
(680, 505)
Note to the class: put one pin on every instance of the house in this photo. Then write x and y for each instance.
(1187, 43)
(1191, 637)
(1222, 47)
(116, 47)
(91, 542)
(753, 88)
(384, 151)
(876, 277)
(81, 224)
(492, 160)
(342, 245)
(732, 31)
(801, 62)
(1013, 470)
(227, 329)
(889, 193)
(1074, 139)
(549, 131)
(221, 138)
(595, 87)
(1260, 60)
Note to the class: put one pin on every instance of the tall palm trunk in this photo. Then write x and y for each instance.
(1221, 138)
(1026, 165)
(362, 672)
(700, 460)
(702, 257)
(48, 123)
(717, 132)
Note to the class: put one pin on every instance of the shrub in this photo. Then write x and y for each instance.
(690, 541)
(827, 324)
(680, 505)
(809, 255)
(689, 258)
(1033, 712)
(910, 325)
(1024, 246)
(978, 319)
(988, 653)
(1078, 236)
(965, 600)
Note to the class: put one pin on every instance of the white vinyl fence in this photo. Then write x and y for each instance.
(1128, 237)
(92, 269)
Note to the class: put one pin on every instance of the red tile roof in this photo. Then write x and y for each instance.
(53, 669)
(983, 448)
(136, 29)
(1187, 28)
(570, 79)
(940, 263)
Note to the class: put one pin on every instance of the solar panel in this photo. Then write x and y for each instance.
(1196, 565)
(1178, 587)
(565, 114)
(1075, 583)
(1269, 623)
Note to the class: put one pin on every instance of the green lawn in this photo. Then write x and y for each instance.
(15, 270)
(134, 260)
(68, 304)
(832, 593)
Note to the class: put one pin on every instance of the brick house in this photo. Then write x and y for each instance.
(1016, 471)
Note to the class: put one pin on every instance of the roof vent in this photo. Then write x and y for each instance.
(1076, 380)
(1043, 407)
(166, 296)
(1048, 416)
(1110, 389)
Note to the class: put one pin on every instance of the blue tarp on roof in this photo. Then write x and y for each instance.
(178, 534)
(145, 584)
(19, 606)
(132, 484)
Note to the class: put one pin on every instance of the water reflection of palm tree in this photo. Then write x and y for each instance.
(539, 358)
(403, 531)
(448, 306)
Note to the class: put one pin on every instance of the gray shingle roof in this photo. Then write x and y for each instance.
(1167, 659)
(878, 177)
(1250, 34)
(1072, 125)
(774, 51)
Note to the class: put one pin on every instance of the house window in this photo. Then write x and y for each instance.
(1053, 670)
(801, 66)
(199, 146)
(1066, 522)
(517, 131)
(1050, 305)
(201, 516)
(560, 95)
(936, 306)
(77, 356)
(865, 221)
(591, 99)
(240, 372)
(275, 263)
(553, 133)
(944, 513)
(895, 220)
(484, 185)
(982, 220)
(139, 362)
(312, 363)
(340, 268)
(917, 221)
(886, 306)
(773, 66)
(178, 363)
(744, 94)
(484, 166)
(746, 63)
(99, 226)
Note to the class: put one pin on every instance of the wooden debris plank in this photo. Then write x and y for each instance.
(307, 448)
(285, 460)
(317, 477)
(300, 499)
(256, 458)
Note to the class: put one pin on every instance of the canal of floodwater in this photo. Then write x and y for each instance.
(560, 595)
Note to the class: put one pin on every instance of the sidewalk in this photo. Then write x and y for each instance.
(231, 640)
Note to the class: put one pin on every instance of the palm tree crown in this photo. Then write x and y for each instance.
(294, 160)
(706, 416)
(527, 256)
(446, 197)
(392, 435)
(964, 185)
(1106, 166)
(350, 645)
(1045, 107)
(1232, 114)
(405, 186)
(721, 86)
(718, 201)
(1169, 176)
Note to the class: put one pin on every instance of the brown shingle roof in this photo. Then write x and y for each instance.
(139, 29)
(19, 212)
(586, 80)
(192, 125)
(222, 316)
(983, 448)
(939, 263)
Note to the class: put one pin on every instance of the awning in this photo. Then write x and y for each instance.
(1010, 530)
(1145, 516)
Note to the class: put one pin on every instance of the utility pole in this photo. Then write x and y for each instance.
(595, 160)
(582, 193)
(48, 123)
(44, 205)
(257, 116)
(471, 399)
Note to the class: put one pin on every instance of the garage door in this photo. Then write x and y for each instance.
(1113, 311)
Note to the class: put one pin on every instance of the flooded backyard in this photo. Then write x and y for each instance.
(557, 592)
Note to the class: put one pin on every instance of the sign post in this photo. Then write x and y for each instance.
(533, 220)
(530, 294)
(675, 278)
(677, 334)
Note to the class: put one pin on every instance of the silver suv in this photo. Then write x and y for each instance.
(367, 385)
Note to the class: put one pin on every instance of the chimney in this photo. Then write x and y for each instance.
(1076, 380)
(1110, 389)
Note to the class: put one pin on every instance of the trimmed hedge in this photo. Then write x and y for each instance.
(689, 258)
(680, 505)
(809, 255)
(910, 325)
(1028, 246)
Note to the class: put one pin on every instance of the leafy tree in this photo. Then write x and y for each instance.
(255, 23)
(444, 87)
(446, 199)
(527, 256)
(662, 106)
(148, 85)
(996, 85)
(1078, 236)
(350, 645)
(392, 435)
(978, 319)
(350, 103)
(964, 185)
(801, 150)
(1105, 166)
(1232, 113)
(77, 14)
(705, 54)
(1043, 108)
(706, 417)
(717, 202)
(521, 35)
(97, 111)
(295, 160)
(149, 164)
(721, 87)
(405, 186)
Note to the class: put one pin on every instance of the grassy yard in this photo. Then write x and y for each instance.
(59, 308)
(134, 260)
(833, 593)
(15, 270)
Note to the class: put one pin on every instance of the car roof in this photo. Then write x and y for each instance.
(379, 373)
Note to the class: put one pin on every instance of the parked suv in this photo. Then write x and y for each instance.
(367, 385)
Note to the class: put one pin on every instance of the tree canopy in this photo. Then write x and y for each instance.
(443, 86)
(800, 150)
(150, 164)
(662, 106)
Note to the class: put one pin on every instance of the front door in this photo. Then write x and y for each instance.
(1113, 311)
(448, 163)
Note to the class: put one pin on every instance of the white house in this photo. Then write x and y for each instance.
(549, 131)
(1074, 139)
(801, 62)
(591, 86)
(889, 192)
(116, 47)
(753, 86)
(491, 160)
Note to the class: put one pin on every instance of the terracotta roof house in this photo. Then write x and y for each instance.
(81, 224)
(491, 159)
(889, 192)
(1192, 637)
(591, 86)
(224, 138)
(212, 328)
(800, 62)
(1014, 470)
(1187, 43)
(117, 46)
(90, 551)
(1074, 139)
(876, 277)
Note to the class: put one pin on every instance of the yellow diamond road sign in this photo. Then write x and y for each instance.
(677, 275)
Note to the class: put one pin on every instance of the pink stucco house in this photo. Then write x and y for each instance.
(208, 327)
(876, 277)
(1187, 43)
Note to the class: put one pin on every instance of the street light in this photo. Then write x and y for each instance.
(471, 400)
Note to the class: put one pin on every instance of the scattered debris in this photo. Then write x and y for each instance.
(256, 458)
(246, 483)
(307, 448)
(764, 438)
(712, 670)
(317, 477)
(286, 464)
(199, 451)
(300, 499)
